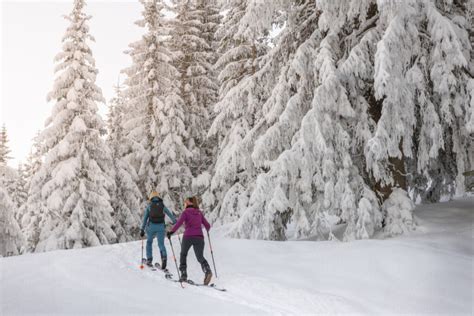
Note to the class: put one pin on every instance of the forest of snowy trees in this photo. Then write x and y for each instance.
(288, 118)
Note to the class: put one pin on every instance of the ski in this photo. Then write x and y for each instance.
(151, 267)
(168, 274)
(157, 267)
(176, 281)
(212, 285)
(190, 282)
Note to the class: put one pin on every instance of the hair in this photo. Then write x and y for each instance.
(194, 201)
(153, 194)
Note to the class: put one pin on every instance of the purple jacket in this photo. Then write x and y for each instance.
(192, 219)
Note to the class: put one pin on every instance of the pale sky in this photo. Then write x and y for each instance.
(31, 33)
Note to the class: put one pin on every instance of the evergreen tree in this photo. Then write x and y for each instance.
(235, 116)
(20, 193)
(126, 198)
(70, 194)
(8, 175)
(157, 115)
(8, 179)
(11, 239)
(338, 128)
(193, 41)
(310, 180)
(33, 160)
(422, 118)
(238, 54)
(28, 219)
(4, 149)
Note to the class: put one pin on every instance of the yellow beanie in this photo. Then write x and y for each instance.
(153, 194)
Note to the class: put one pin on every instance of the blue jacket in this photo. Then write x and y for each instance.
(146, 216)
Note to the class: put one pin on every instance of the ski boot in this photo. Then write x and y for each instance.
(184, 276)
(163, 263)
(149, 262)
(207, 273)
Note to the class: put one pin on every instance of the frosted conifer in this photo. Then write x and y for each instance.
(235, 113)
(347, 112)
(4, 149)
(193, 41)
(20, 192)
(156, 123)
(69, 197)
(11, 239)
(127, 197)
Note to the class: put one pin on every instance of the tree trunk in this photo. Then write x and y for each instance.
(396, 165)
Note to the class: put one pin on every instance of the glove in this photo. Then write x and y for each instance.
(168, 234)
(142, 233)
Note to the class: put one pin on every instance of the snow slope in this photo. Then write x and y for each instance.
(429, 271)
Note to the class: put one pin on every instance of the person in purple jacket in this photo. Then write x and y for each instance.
(193, 219)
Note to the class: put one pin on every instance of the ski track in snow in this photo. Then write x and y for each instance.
(425, 272)
(281, 300)
(278, 300)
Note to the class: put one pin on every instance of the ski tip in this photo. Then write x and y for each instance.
(217, 288)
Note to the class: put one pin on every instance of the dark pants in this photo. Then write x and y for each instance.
(198, 245)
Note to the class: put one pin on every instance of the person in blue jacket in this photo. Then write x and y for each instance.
(154, 223)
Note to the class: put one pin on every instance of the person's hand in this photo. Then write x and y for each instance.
(142, 233)
(168, 234)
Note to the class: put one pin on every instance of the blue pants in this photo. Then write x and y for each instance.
(159, 231)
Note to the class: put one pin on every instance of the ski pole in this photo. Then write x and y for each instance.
(212, 253)
(141, 260)
(174, 258)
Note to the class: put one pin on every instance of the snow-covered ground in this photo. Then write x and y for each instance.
(427, 272)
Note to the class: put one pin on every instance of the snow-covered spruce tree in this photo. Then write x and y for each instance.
(10, 179)
(33, 208)
(305, 145)
(20, 192)
(156, 112)
(424, 86)
(8, 176)
(4, 148)
(238, 55)
(71, 191)
(33, 160)
(334, 168)
(127, 197)
(11, 238)
(315, 184)
(33, 211)
(27, 213)
(193, 41)
(235, 115)
(211, 20)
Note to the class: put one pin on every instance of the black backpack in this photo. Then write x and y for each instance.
(157, 214)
